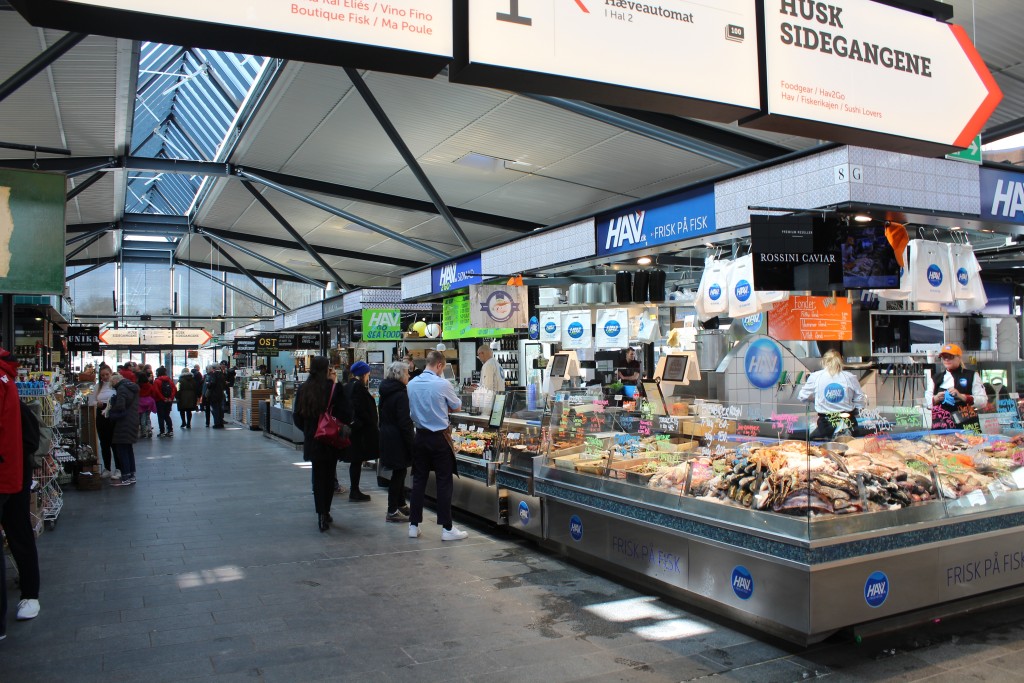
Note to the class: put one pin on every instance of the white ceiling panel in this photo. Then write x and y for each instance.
(536, 198)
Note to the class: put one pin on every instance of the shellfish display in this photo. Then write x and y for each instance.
(873, 474)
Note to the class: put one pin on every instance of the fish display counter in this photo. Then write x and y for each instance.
(797, 538)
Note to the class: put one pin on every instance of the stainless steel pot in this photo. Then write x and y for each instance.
(576, 293)
(607, 295)
(710, 349)
(591, 292)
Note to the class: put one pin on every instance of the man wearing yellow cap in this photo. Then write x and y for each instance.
(955, 393)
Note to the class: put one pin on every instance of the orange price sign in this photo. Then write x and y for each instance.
(811, 318)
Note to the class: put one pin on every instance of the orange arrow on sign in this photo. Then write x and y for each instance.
(991, 101)
(208, 337)
(102, 336)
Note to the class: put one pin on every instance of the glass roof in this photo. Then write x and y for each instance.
(185, 108)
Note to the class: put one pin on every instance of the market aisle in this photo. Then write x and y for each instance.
(211, 568)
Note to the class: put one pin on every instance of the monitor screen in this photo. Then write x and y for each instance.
(559, 363)
(497, 411)
(652, 390)
(448, 372)
(629, 390)
(869, 261)
(675, 368)
(374, 356)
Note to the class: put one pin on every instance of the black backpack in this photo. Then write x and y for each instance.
(165, 387)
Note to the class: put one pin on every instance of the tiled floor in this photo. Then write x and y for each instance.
(211, 568)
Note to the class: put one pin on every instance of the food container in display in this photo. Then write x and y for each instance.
(591, 292)
(607, 295)
(576, 293)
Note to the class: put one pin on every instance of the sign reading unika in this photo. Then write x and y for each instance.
(616, 52)
(863, 72)
(83, 338)
(382, 324)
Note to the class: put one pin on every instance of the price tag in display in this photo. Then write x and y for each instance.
(784, 422)
(513, 436)
(976, 497)
(618, 397)
(462, 426)
(645, 428)
(1018, 477)
(668, 424)
(479, 430)
(594, 444)
(908, 417)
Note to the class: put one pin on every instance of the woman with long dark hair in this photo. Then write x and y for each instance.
(311, 402)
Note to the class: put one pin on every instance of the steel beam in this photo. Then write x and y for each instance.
(35, 148)
(265, 203)
(41, 61)
(352, 218)
(264, 259)
(408, 156)
(104, 228)
(98, 264)
(84, 185)
(332, 251)
(185, 166)
(242, 269)
(84, 245)
(230, 286)
(110, 163)
(627, 123)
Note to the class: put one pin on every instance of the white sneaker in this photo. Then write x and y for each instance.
(28, 609)
(414, 531)
(105, 474)
(453, 534)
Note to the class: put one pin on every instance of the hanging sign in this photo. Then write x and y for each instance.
(551, 327)
(616, 52)
(456, 274)
(498, 306)
(120, 337)
(577, 332)
(195, 336)
(796, 252)
(1002, 195)
(83, 338)
(333, 307)
(353, 33)
(243, 345)
(612, 328)
(845, 70)
(669, 219)
(382, 324)
(811, 318)
(156, 336)
(456, 324)
(31, 232)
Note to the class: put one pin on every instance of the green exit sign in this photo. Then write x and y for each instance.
(971, 155)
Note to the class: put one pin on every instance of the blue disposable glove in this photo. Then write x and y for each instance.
(948, 399)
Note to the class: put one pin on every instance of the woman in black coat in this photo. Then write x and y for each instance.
(365, 432)
(311, 401)
(396, 437)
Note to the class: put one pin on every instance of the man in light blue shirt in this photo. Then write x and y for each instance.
(431, 398)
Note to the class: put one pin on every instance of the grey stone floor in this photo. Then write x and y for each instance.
(211, 569)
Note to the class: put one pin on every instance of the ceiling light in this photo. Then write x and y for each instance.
(861, 218)
(956, 227)
(644, 261)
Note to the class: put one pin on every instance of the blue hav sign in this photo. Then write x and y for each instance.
(456, 274)
(876, 589)
(670, 219)
(524, 513)
(1002, 196)
(576, 527)
(742, 582)
(763, 363)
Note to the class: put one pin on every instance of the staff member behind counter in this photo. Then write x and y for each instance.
(955, 393)
(629, 373)
(834, 391)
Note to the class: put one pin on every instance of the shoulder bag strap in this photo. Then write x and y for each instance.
(330, 401)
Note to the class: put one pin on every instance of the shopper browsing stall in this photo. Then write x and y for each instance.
(11, 460)
(123, 410)
(397, 437)
(955, 393)
(365, 430)
(104, 426)
(837, 396)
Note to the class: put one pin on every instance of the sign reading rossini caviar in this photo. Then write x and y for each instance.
(865, 66)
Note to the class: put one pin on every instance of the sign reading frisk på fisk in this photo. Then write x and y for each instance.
(662, 221)
(382, 324)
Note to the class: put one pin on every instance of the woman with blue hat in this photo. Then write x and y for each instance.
(365, 430)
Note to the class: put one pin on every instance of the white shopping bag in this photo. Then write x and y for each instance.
(931, 272)
(765, 300)
(714, 287)
(965, 270)
(742, 297)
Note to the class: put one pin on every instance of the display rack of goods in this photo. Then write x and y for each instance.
(472, 443)
(864, 475)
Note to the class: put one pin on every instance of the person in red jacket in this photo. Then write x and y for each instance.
(163, 393)
(11, 456)
(148, 397)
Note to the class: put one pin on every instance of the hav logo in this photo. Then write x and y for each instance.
(550, 327)
(447, 277)
(752, 323)
(876, 590)
(763, 364)
(963, 382)
(576, 527)
(534, 328)
(834, 393)
(575, 330)
(524, 513)
(962, 277)
(934, 275)
(742, 582)
(743, 290)
(627, 229)
(612, 328)
(715, 292)
(384, 320)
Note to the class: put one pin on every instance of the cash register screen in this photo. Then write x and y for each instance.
(675, 369)
(559, 364)
(448, 373)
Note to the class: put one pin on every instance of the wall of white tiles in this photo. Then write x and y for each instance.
(806, 183)
(548, 248)
(416, 284)
(906, 181)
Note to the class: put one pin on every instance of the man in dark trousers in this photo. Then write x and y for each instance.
(12, 461)
(215, 395)
(229, 382)
(431, 398)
